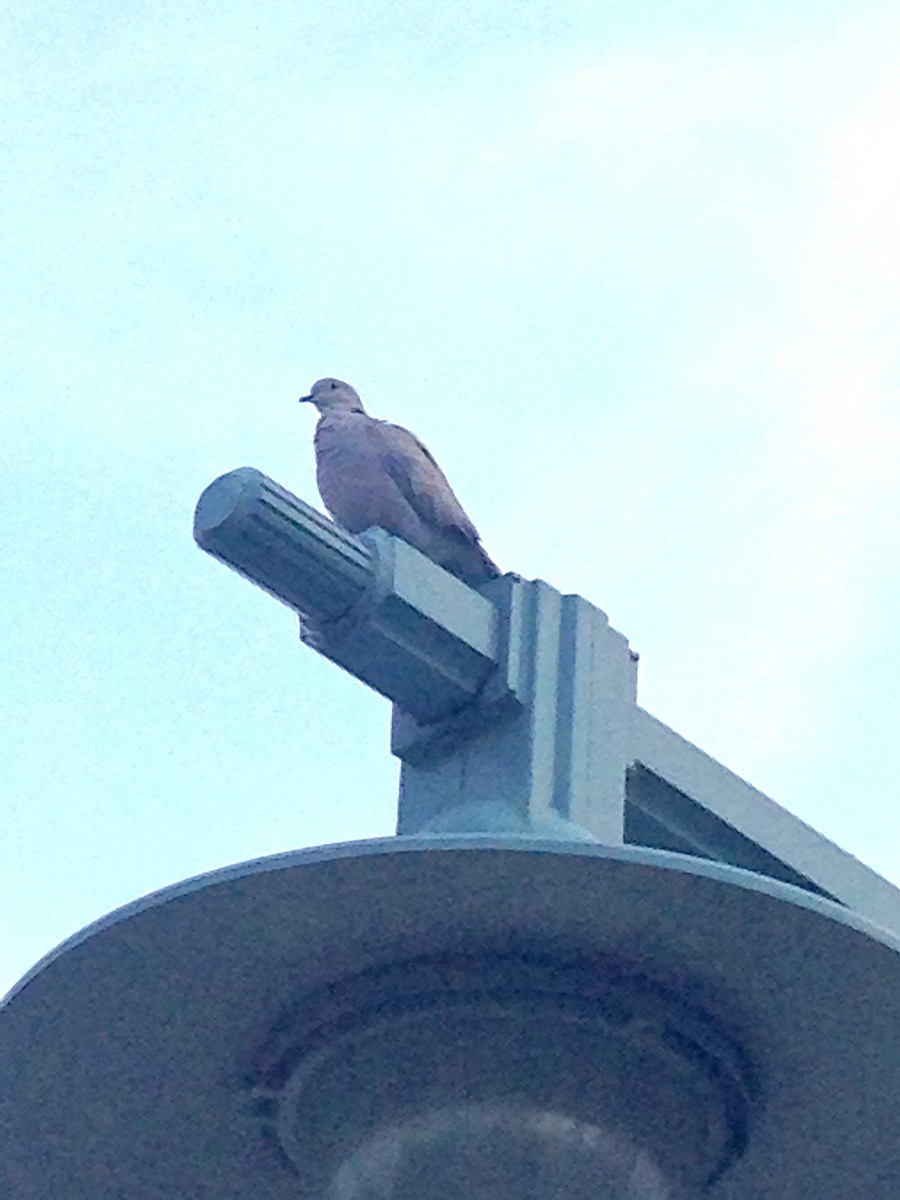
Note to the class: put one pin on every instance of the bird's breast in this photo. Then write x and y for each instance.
(348, 473)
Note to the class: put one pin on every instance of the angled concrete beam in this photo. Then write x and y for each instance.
(680, 798)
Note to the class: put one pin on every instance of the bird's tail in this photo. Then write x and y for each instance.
(472, 563)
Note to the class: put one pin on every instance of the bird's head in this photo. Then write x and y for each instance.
(331, 395)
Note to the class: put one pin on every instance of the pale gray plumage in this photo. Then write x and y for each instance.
(371, 473)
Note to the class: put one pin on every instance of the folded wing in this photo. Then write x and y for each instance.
(424, 486)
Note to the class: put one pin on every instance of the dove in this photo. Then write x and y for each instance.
(372, 473)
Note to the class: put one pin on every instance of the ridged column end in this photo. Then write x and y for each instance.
(226, 497)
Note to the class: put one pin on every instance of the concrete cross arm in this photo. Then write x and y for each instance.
(372, 604)
(511, 702)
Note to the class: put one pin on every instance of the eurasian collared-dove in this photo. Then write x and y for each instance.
(372, 473)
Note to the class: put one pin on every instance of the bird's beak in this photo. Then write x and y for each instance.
(303, 399)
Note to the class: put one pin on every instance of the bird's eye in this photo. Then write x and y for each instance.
(333, 385)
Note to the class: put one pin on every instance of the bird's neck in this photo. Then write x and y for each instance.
(334, 412)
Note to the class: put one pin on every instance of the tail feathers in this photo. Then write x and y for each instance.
(469, 561)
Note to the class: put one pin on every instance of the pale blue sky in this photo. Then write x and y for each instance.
(632, 270)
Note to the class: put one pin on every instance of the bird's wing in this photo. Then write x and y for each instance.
(423, 484)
